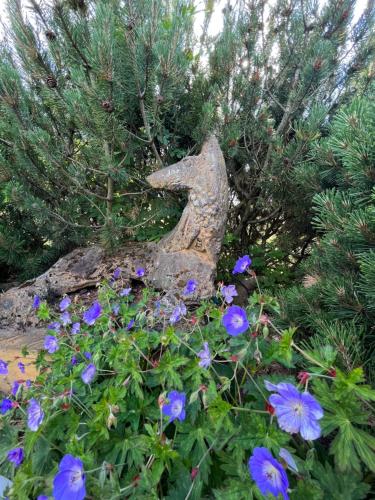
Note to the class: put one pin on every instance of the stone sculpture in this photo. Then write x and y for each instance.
(190, 251)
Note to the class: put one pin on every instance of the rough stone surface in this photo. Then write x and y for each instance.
(202, 224)
(190, 251)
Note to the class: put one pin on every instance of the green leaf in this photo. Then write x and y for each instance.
(43, 312)
(218, 412)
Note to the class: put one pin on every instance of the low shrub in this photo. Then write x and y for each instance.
(139, 398)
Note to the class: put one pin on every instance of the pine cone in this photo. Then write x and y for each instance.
(255, 76)
(345, 15)
(51, 82)
(317, 64)
(50, 35)
(130, 25)
(107, 105)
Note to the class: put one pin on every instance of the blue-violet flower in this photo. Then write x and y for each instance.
(65, 318)
(88, 373)
(288, 459)
(205, 356)
(65, 303)
(140, 272)
(268, 473)
(76, 327)
(3, 367)
(190, 287)
(69, 482)
(51, 344)
(36, 302)
(228, 292)
(295, 411)
(35, 415)
(16, 456)
(176, 407)
(241, 265)
(5, 406)
(92, 314)
(235, 320)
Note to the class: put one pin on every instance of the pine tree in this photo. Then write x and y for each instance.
(96, 94)
(89, 95)
(335, 301)
(279, 72)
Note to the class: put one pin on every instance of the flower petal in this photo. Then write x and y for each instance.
(314, 407)
(310, 429)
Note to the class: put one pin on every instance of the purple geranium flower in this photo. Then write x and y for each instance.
(21, 367)
(235, 320)
(51, 344)
(175, 316)
(42, 497)
(241, 265)
(268, 473)
(5, 406)
(55, 326)
(74, 361)
(130, 325)
(16, 456)
(157, 308)
(28, 383)
(15, 387)
(65, 303)
(190, 287)
(125, 292)
(3, 367)
(205, 356)
(88, 373)
(65, 318)
(116, 273)
(295, 411)
(288, 459)
(92, 314)
(76, 327)
(87, 355)
(69, 482)
(228, 292)
(116, 309)
(177, 313)
(35, 415)
(36, 302)
(176, 407)
(140, 272)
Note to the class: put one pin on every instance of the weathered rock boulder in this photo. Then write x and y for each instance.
(191, 250)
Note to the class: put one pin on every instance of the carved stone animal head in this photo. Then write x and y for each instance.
(187, 173)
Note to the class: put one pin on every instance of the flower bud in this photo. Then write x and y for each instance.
(194, 473)
(111, 420)
(303, 377)
(270, 408)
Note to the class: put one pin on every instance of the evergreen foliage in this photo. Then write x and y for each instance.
(335, 301)
(94, 95)
(89, 104)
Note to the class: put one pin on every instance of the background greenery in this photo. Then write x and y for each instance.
(94, 95)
